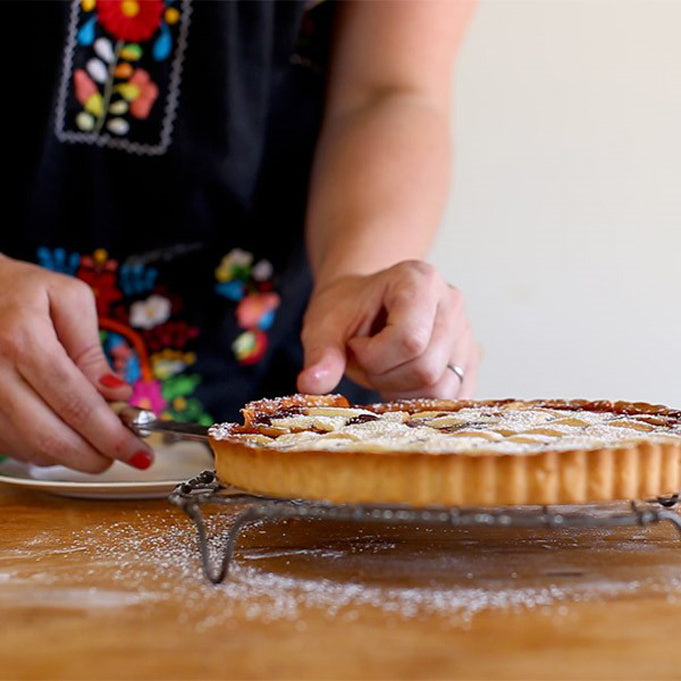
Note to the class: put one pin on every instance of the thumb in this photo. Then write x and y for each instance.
(74, 316)
(325, 362)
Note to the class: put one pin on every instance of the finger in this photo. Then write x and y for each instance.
(38, 436)
(412, 307)
(447, 388)
(426, 370)
(324, 367)
(73, 312)
(12, 446)
(470, 369)
(323, 339)
(405, 337)
(323, 375)
(466, 356)
(50, 372)
(449, 385)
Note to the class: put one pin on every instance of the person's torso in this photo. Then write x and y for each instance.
(164, 159)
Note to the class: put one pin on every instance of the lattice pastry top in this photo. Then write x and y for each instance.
(549, 439)
(503, 427)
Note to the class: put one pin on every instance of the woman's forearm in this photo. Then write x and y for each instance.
(379, 185)
(378, 313)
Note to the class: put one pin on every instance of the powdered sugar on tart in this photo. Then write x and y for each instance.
(430, 444)
(496, 429)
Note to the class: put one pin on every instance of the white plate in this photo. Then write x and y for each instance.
(173, 464)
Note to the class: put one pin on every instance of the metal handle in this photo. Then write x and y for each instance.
(136, 419)
(143, 422)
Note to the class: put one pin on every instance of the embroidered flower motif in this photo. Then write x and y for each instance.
(139, 94)
(135, 278)
(187, 409)
(130, 19)
(131, 328)
(148, 92)
(146, 314)
(147, 395)
(58, 260)
(181, 385)
(250, 286)
(84, 86)
(172, 334)
(99, 272)
(126, 363)
(121, 356)
(169, 362)
(257, 310)
(233, 290)
(117, 69)
(250, 346)
(235, 265)
(262, 271)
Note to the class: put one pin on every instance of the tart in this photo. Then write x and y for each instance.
(451, 453)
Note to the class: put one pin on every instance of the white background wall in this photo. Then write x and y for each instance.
(564, 227)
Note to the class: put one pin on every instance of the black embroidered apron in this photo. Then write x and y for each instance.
(166, 148)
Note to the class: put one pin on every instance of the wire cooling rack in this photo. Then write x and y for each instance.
(205, 489)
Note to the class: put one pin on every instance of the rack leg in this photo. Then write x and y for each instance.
(213, 574)
(194, 512)
(673, 518)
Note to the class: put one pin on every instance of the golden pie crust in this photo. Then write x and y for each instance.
(451, 453)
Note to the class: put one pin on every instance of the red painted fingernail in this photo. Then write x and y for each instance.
(112, 381)
(141, 459)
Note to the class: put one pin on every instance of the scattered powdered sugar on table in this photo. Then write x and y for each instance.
(451, 576)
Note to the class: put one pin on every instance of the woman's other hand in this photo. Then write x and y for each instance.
(55, 382)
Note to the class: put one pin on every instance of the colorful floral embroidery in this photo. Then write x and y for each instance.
(250, 286)
(129, 19)
(146, 314)
(100, 273)
(141, 335)
(122, 71)
(250, 346)
(59, 260)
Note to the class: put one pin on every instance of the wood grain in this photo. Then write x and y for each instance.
(112, 590)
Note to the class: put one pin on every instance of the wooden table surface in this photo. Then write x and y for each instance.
(113, 589)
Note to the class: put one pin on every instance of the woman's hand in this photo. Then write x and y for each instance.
(395, 331)
(54, 378)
